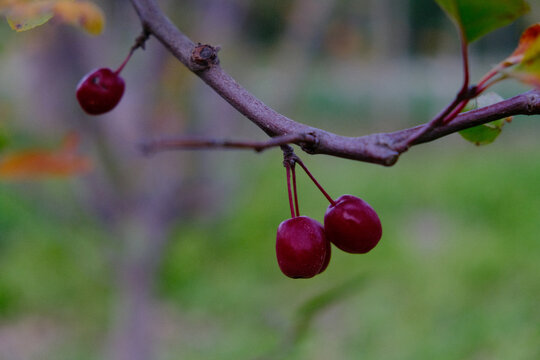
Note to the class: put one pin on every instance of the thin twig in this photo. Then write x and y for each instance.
(197, 143)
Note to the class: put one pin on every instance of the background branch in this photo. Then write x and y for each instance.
(383, 148)
(181, 143)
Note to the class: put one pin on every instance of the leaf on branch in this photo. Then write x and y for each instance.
(487, 133)
(523, 63)
(477, 18)
(528, 68)
(529, 37)
(42, 163)
(25, 15)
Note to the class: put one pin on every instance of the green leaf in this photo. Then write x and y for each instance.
(486, 133)
(483, 134)
(477, 18)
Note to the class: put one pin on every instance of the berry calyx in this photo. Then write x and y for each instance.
(100, 91)
(301, 247)
(352, 225)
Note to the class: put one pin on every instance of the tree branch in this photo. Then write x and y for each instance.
(383, 148)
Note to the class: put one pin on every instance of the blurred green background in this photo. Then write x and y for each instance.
(172, 256)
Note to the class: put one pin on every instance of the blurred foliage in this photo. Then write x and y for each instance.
(63, 161)
(266, 20)
(456, 274)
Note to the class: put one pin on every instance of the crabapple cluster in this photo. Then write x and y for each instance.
(303, 245)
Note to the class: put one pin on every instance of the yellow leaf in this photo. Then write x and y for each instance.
(84, 14)
(25, 16)
(42, 163)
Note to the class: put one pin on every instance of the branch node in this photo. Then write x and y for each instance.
(204, 56)
(533, 103)
(310, 144)
(140, 41)
(289, 157)
(471, 92)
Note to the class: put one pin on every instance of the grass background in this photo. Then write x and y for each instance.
(455, 276)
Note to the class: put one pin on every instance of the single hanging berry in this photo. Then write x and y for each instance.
(301, 247)
(352, 225)
(100, 91)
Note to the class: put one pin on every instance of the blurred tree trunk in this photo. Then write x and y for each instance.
(144, 236)
(136, 199)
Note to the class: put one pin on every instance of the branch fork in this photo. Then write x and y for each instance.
(383, 148)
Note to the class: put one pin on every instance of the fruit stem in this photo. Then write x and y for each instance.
(332, 202)
(140, 41)
(288, 170)
(294, 189)
(121, 67)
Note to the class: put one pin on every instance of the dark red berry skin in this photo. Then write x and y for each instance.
(352, 225)
(100, 91)
(301, 247)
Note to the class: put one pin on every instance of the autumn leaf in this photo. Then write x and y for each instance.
(37, 164)
(84, 14)
(25, 15)
(529, 37)
(523, 64)
(528, 70)
(22, 16)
